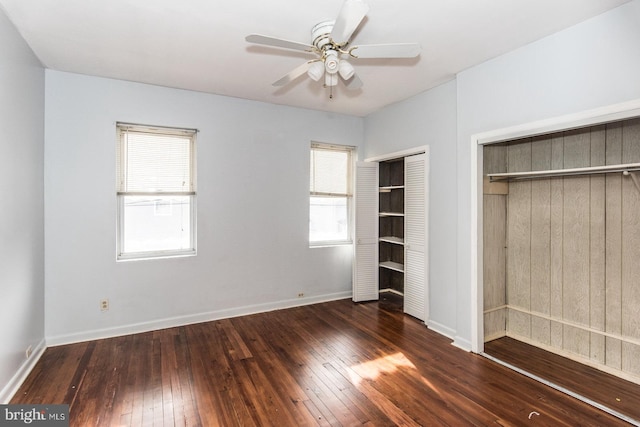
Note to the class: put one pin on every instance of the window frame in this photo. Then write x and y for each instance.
(121, 129)
(351, 151)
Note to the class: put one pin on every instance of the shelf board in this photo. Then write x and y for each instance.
(391, 214)
(395, 266)
(392, 239)
(387, 189)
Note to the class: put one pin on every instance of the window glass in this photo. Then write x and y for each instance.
(156, 191)
(330, 194)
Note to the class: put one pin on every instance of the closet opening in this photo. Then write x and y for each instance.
(560, 267)
(391, 227)
(391, 224)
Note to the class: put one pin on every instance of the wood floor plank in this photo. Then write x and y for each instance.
(329, 364)
(298, 360)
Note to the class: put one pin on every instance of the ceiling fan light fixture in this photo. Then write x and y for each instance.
(316, 70)
(346, 70)
(331, 62)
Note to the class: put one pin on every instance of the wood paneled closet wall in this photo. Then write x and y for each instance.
(562, 254)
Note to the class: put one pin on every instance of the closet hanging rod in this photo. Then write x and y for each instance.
(511, 176)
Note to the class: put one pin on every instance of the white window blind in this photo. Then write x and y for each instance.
(155, 161)
(330, 170)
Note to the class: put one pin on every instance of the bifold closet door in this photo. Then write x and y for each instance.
(415, 236)
(365, 269)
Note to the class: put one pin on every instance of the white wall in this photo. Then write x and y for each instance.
(21, 215)
(428, 119)
(591, 65)
(253, 254)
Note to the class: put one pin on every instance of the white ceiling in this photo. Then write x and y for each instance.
(199, 44)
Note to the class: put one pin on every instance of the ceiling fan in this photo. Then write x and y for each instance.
(331, 43)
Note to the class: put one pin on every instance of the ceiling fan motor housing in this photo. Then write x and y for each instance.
(321, 35)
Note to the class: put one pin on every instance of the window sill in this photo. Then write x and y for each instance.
(329, 244)
(146, 256)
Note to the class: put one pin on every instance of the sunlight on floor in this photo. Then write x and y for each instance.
(390, 364)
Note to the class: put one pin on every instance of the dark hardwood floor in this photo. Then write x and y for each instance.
(608, 390)
(336, 363)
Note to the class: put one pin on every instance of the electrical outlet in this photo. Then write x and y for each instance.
(104, 305)
(300, 295)
(28, 352)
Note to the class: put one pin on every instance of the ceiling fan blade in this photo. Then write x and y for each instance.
(277, 42)
(353, 83)
(392, 50)
(349, 18)
(294, 74)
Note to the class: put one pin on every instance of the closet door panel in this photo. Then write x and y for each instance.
(415, 298)
(365, 283)
(415, 209)
(365, 271)
(415, 202)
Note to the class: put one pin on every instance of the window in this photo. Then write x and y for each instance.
(330, 194)
(156, 192)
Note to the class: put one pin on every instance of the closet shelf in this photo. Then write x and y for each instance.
(391, 214)
(392, 239)
(388, 189)
(512, 176)
(395, 266)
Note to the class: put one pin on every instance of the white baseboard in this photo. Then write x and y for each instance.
(172, 322)
(462, 343)
(23, 371)
(441, 329)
